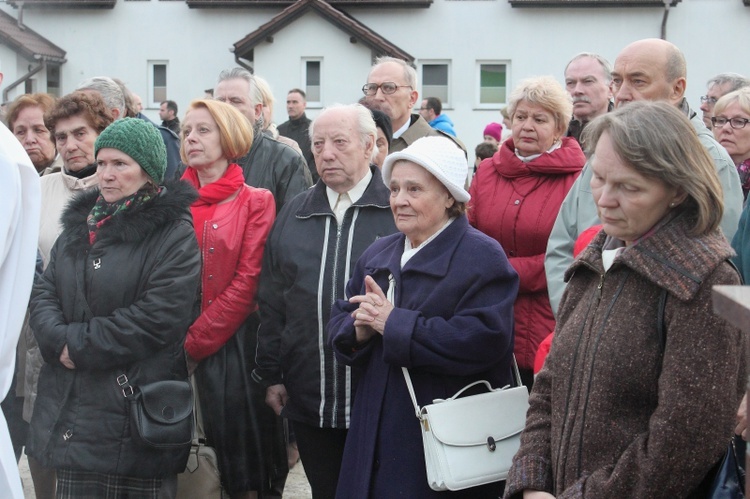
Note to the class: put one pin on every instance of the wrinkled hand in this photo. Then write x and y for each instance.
(192, 364)
(537, 494)
(65, 359)
(741, 428)
(373, 310)
(276, 398)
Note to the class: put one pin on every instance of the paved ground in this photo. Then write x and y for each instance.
(296, 485)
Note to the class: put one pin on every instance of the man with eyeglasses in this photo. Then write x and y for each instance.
(653, 70)
(392, 88)
(718, 87)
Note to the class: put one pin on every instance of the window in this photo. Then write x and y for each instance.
(311, 80)
(435, 82)
(53, 80)
(493, 81)
(157, 83)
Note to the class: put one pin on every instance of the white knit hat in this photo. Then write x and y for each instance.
(439, 156)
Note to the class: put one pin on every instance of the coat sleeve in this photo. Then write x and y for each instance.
(293, 178)
(156, 319)
(223, 317)
(741, 244)
(470, 340)
(272, 308)
(577, 213)
(46, 316)
(532, 464)
(341, 332)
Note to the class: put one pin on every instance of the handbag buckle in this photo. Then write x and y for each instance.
(491, 444)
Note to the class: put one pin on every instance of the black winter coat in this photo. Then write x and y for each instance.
(308, 260)
(140, 278)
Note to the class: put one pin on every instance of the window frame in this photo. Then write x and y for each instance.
(447, 102)
(152, 101)
(478, 104)
(312, 103)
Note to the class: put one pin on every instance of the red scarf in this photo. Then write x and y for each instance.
(210, 195)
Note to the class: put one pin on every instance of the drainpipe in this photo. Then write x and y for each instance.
(22, 79)
(664, 19)
(244, 65)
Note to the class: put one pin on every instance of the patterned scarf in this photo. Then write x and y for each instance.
(103, 211)
(744, 170)
(210, 195)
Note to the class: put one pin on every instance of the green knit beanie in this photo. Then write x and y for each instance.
(138, 139)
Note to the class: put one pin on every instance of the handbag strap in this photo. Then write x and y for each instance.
(199, 433)
(410, 386)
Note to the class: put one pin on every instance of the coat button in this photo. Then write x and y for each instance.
(215, 226)
(376, 464)
(210, 302)
(210, 250)
(517, 201)
(512, 253)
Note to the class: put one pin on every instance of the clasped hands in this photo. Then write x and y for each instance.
(373, 311)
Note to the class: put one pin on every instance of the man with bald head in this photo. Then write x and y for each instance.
(653, 70)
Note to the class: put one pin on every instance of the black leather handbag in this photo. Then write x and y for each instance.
(729, 481)
(161, 413)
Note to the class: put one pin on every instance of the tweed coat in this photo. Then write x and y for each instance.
(611, 413)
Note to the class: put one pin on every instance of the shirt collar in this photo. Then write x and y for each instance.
(354, 193)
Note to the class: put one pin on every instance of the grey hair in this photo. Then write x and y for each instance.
(366, 128)
(736, 81)
(110, 91)
(410, 74)
(604, 63)
(243, 74)
(676, 66)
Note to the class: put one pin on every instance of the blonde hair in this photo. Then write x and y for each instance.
(741, 97)
(235, 132)
(544, 91)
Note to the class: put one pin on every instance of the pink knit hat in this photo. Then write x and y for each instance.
(494, 130)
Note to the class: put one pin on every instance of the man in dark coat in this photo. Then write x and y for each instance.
(269, 164)
(297, 127)
(315, 242)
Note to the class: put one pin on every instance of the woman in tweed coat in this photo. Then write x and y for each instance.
(638, 395)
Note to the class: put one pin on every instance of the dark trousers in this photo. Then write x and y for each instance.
(321, 451)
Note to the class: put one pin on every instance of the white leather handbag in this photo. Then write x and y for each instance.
(471, 441)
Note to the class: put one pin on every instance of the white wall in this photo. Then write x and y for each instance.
(119, 42)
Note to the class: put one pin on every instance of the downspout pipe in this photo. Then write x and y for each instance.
(664, 19)
(21, 80)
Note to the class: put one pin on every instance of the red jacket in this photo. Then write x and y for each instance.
(516, 203)
(232, 253)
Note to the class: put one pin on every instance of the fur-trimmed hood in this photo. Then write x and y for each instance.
(172, 203)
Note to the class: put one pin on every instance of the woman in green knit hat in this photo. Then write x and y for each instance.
(109, 314)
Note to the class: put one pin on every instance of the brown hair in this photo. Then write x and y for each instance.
(43, 101)
(87, 104)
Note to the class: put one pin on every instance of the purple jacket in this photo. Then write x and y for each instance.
(453, 324)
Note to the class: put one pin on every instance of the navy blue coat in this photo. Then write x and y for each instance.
(453, 324)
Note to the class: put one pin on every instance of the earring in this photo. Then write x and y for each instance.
(671, 205)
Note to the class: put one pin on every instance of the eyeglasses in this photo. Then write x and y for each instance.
(387, 87)
(735, 123)
(705, 99)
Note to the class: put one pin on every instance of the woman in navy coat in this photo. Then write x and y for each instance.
(436, 298)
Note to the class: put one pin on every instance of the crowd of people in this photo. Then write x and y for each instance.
(291, 275)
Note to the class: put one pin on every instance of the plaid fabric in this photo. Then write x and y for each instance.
(75, 484)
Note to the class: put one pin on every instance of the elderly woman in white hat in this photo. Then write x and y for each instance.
(436, 298)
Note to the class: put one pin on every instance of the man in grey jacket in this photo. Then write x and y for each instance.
(649, 69)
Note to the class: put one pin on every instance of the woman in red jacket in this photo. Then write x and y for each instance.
(515, 197)
(232, 221)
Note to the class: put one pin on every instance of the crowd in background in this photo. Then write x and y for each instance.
(292, 271)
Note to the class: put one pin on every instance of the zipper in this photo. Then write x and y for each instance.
(334, 283)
